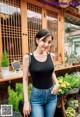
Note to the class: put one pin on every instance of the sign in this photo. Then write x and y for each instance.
(16, 65)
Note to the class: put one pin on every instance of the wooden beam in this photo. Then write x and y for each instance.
(24, 27)
(63, 51)
(74, 16)
(71, 9)
(44, 20)
(35, 2)
(0, 42)
(61, 36)
(42, 4)
(52, 8)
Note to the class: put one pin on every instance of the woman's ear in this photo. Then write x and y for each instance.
(37, 41)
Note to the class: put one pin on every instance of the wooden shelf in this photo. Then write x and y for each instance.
(68, 67)
(18, 75)
(12, 76)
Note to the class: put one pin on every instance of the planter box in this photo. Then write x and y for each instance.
(76, 63)
(73, 91)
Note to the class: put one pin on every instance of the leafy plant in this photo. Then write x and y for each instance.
(73, 103)
(68, 82)
(70, 112)
(14, 96)
(64, 86)
(68, 30)
(74, 80)
(5, 59)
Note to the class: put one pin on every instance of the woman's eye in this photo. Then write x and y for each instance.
(44, 40)
(49, 42)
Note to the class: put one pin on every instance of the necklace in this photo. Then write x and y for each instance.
(41, 54)
(40, 57)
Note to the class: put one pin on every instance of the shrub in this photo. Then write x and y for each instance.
(5, 59)
(14, 96)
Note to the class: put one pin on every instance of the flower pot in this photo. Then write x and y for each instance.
(5, 71)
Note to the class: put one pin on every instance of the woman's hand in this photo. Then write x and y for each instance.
(26, 109)
(55, 89)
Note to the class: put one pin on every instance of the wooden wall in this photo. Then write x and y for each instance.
(25, 29)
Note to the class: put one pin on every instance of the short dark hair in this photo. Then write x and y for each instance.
(43, 33)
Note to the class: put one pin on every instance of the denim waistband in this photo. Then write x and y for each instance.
(42, 90)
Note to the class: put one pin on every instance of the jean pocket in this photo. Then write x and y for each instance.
(51, 88)
(36, 93)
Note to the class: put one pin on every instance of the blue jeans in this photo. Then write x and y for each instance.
(43, 103)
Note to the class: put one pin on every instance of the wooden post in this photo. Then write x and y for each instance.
(61, 36)
(62, 107)
(44, 20)
(0, 44)
(24, 27)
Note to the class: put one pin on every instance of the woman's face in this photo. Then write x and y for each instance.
(44, 44)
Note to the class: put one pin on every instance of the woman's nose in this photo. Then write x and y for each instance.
(46, 44)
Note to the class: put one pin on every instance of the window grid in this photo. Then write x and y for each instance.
(34, 24)
(11, 29)
(52, 25)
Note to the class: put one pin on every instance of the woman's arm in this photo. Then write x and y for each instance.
(25, 77)
(27, 107)
(56, 84)
(54, 78)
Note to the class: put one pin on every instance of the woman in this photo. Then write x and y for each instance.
(45, 84)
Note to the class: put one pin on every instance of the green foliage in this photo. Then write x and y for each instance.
(5, 59)
(68, 30)
(70, 112)
(19, 88)
(14, 96)
(74, 80)
(68, 82)
(64, 86)
(73, 103)
(13, 100)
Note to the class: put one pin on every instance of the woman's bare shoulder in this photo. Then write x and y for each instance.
(26, 57)
(52, 55)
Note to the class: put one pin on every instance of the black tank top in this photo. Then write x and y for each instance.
(41, 72)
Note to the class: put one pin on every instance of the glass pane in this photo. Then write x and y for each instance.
(10, 13)
(72, 43)
(34, 24)
(52, 25)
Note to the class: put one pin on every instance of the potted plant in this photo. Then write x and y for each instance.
(5, 64)
(14, 96)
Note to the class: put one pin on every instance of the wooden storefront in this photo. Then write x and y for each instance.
(20, 20)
